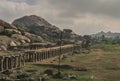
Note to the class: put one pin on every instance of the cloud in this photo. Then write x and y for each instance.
(83, 16)
(100, 7)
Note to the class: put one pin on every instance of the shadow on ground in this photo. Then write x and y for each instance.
(54, 66)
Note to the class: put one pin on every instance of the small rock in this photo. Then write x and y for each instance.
(12, 43)
(48, 72)
(3, 48)
(69, 76)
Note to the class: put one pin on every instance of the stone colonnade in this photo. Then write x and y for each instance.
(8, 62)
(34, 56)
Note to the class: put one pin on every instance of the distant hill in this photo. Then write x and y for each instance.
(106, 35)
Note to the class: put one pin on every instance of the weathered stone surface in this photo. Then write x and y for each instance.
(2, 47)
(67, 30)
(13, 31)
(12, 43)
(69, 76)
(21, 38)
(7, 25)
(39, 26)
(1, 28)
(34, 37)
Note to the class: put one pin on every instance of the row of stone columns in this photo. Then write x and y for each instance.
(16, 61)
(8, 62)
(34, 56)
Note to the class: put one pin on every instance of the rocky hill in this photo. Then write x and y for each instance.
(13, 36)
(39, 26)
(32, 29)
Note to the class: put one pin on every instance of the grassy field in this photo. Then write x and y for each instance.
(101, 64)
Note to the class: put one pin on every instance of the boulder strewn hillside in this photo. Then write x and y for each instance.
(13, 36)
(6, 25)
(32, 29)
(39, 26)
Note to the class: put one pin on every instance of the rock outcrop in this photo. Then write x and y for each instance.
(32, 29)
(21, 38)
(39, 26)
(1, 29)
(6, 25)
(11, 36)
(33, 37)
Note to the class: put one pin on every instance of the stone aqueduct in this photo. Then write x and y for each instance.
(13, 61)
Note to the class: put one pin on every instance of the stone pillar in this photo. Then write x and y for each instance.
(9, 62)
(6, 63)
(16, 61)
(45, 54)
(19, 61)
(48, 54)
(29, 57)
(1, 63)
(40, 56)
(32, 57)
(51, 53)
(35, 57)
(13, 60)
(23, 60)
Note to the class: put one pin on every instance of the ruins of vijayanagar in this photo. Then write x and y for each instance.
(33, 53)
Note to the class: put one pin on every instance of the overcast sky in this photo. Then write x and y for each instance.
(82, 16)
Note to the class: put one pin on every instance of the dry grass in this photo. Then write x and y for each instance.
(101, 65)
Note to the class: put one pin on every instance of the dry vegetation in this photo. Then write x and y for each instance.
(101, 64)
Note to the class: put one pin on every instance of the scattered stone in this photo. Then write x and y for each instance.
(69, 76)
(12, 43)
(48, 72)
(3, 48)
(20, 37)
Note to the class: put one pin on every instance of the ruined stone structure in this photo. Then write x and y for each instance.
(33, 46)
(9, 62)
